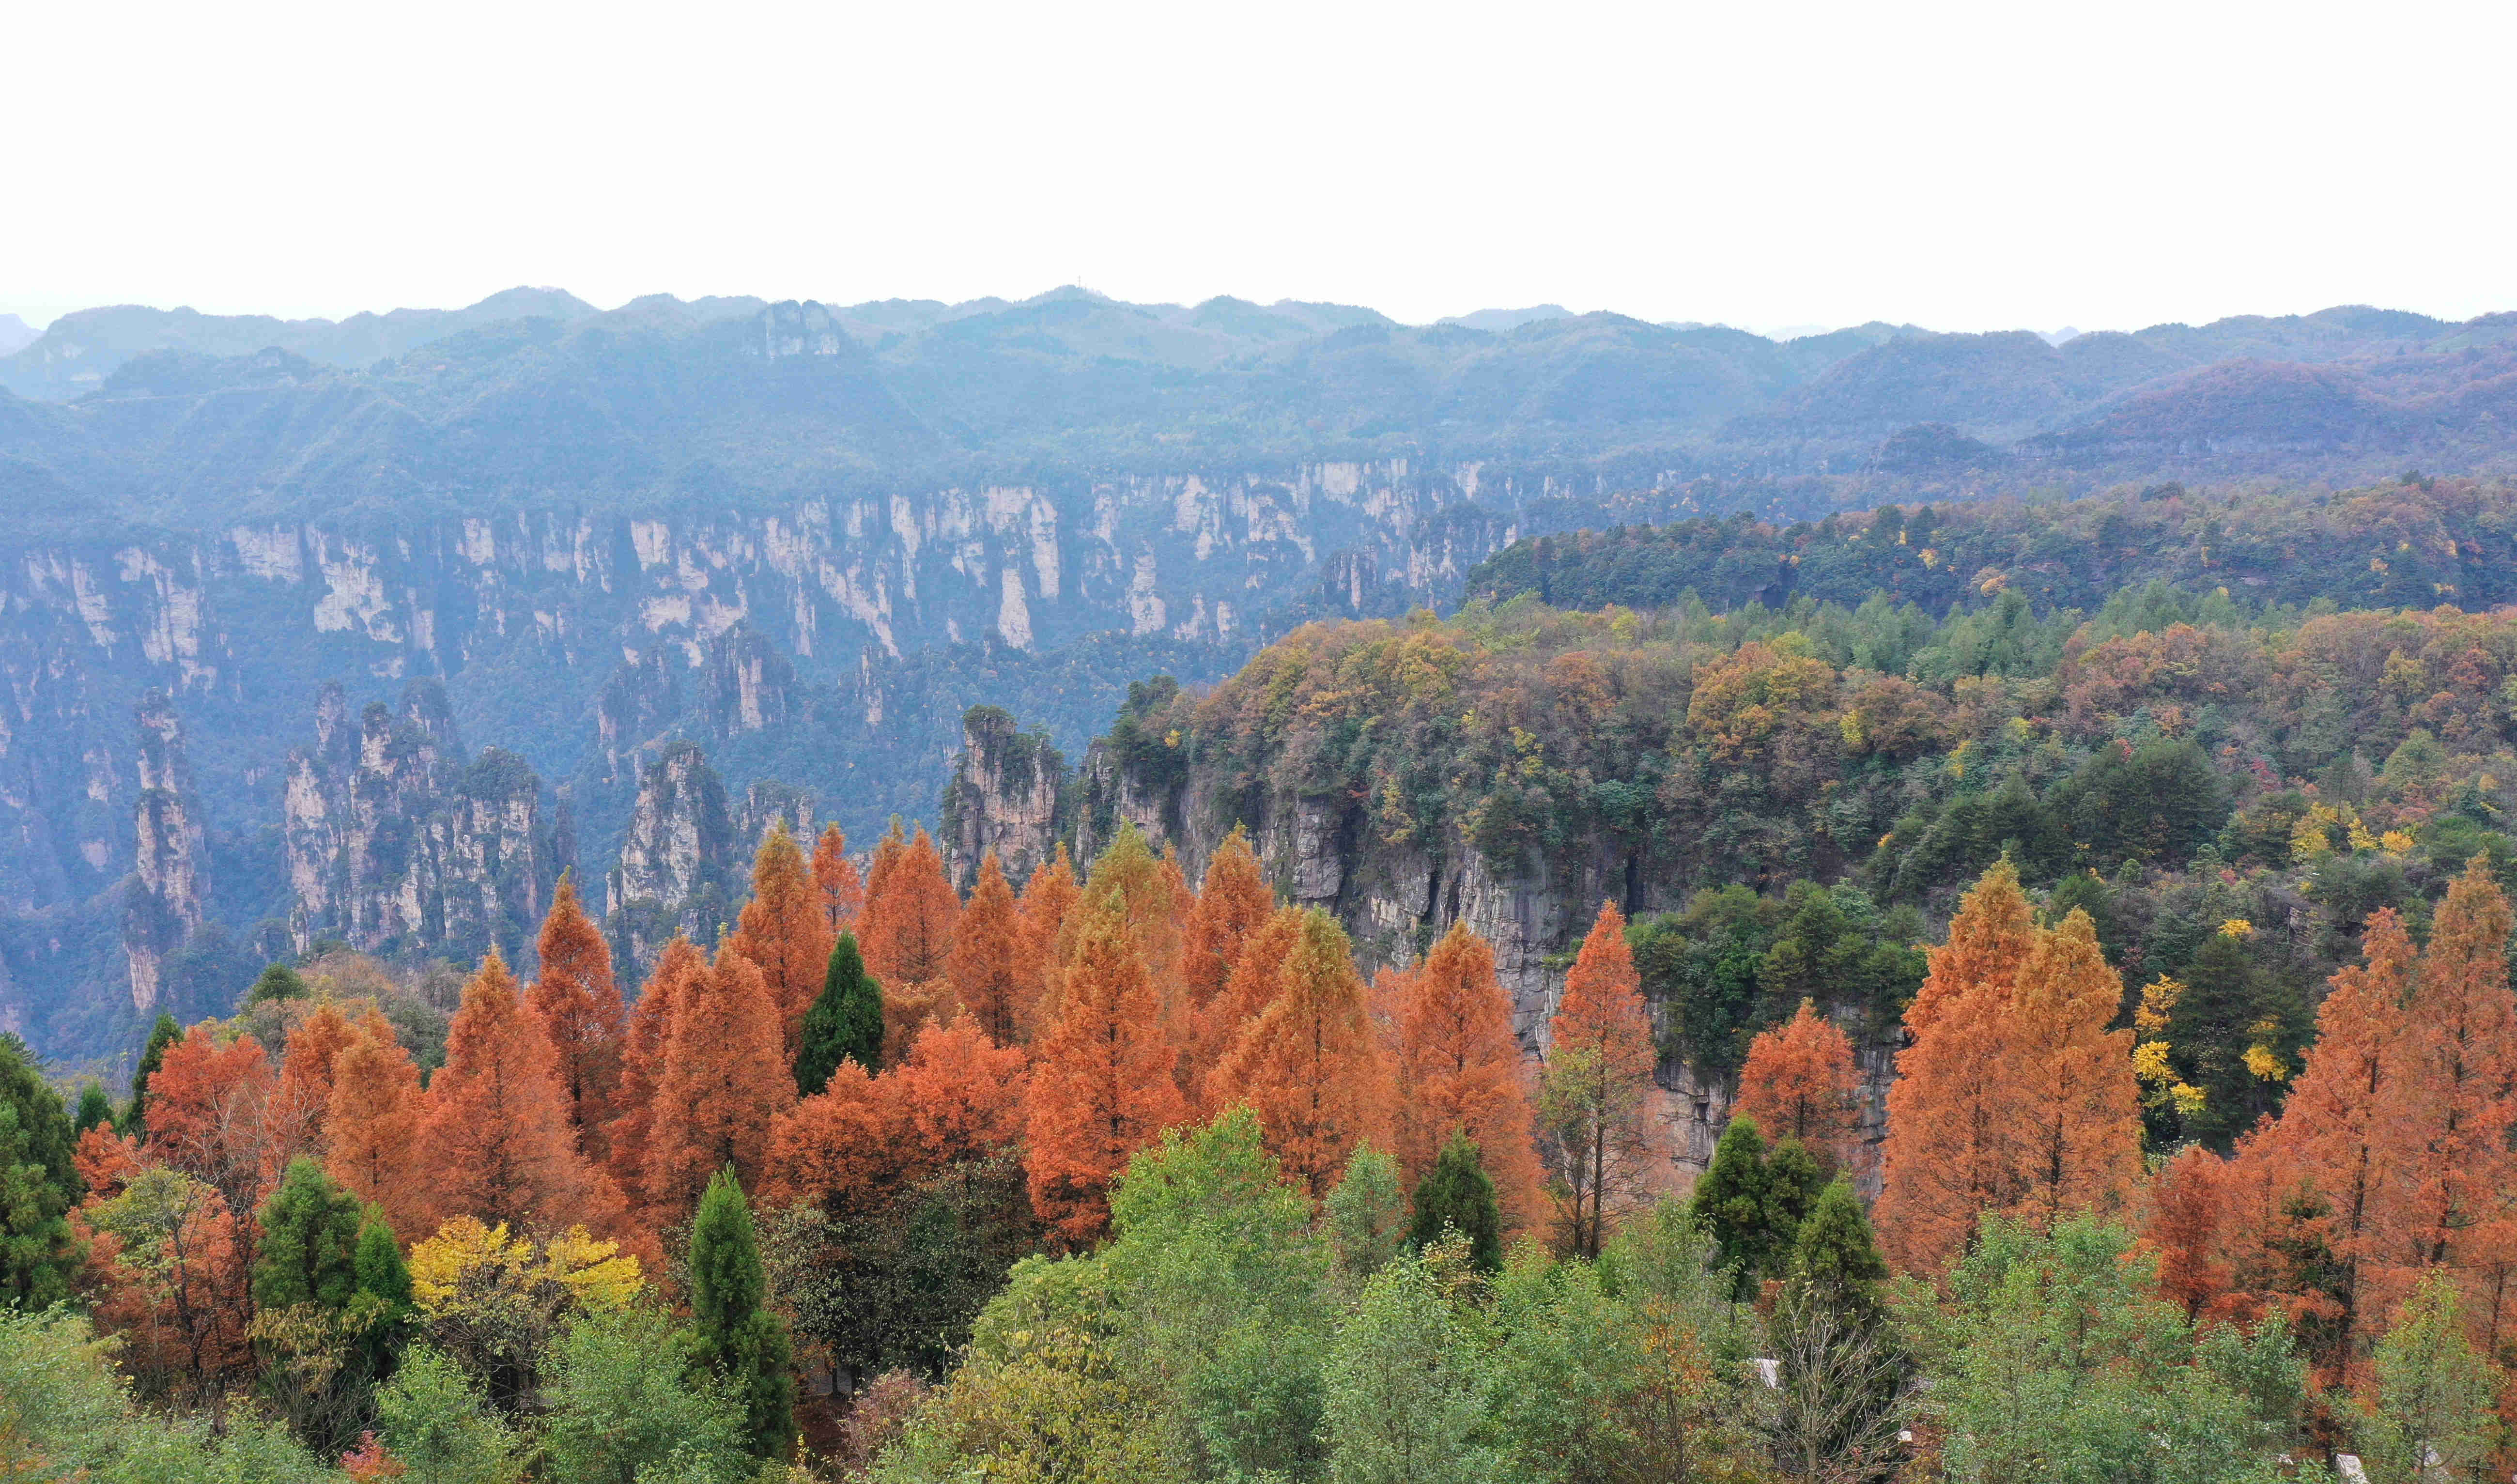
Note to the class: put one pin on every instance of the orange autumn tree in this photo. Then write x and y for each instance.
(1799, 1082)
(844, 1150)
(2075, 1103)
(2449, 1116)
(578, 1005)
(1101, 1082)
(304, 1087)
(374, 1123)
(906, 929)
(1046, 899)
(1231, 904)
(725, 1080)
(642, 1062)
(1600, 1062)
(987, 954)
(1257, 979)
(785, 931)
(958, 1098)
(906, 934)
(1947, 1151)
(1309, 1066)
(213, 1114)
(2188, 1211)
(1460, 1069)
(2333, 1152)
(494, 1141)
(961, 1094)
(836, 877)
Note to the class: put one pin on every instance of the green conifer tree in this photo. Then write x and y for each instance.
(1458, 1194)
(1729, 1204)
(39, 1255)
(1836, 1258)
(95, 1109)
(310, 1241)
(738, 1338)
(844, 1022)
(277, 981)
(384, 1293)
(135, 1113)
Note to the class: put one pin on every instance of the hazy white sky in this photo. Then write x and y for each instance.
(1961, 166)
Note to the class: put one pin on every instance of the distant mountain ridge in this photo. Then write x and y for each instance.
(534, 394)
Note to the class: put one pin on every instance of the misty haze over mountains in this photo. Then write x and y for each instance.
(368, 628)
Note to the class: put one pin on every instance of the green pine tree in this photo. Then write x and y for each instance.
(1794, 1177)
(310, 1241)
(738, 1338)
(1729, 1204)
(135, 1113)
(39, 1255)
(277, 981)
(1836, 1258)
(95, 1109)
(383, 1291)
(844, 1022)
(1458, 1194)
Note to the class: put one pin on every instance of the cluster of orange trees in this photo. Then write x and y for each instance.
(1068, 1025)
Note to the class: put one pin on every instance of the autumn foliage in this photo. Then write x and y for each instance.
(495, 1140)
(1101, 1080)
(1799, 1082)
(579, 1003)
(1307, 1064)
(1459, 1069)
(1599, 1060)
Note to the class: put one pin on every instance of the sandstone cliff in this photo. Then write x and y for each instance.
(396, 843)
(677, 871)
(1009, 793)
(170, 887)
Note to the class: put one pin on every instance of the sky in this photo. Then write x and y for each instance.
(1959, 166)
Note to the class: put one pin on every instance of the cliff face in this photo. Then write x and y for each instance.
(1008, 794)
(1395, 900)
(170, 887)
(677, 867)
(832, 642)
(395, 844)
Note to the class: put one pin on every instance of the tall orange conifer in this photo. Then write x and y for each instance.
(1600, 1062)
(2077, 1107)
(835, 876)
(1233, 902)
(1254, 983)
(1799, 1082)
(1460, 1069)
(1948, 1155)
(1309, 1066)
(373, 1122)
(2188, 1208)
(786, 932)
(987, 953)
(2450, 1113)
(579, 1003)
(305, 1066)
(725, 1080)
(642, 1062)
(1101, 1087)
(495, 1140)
(2334, 1145)
(1049, 899)
(906, 927)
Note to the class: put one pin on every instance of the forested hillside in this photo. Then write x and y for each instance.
(2406, 542)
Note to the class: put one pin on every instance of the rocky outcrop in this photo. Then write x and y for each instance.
(642, 697)
(678, 869)
(1008, 794)
(1319, 850)
(170, 886)
(393, 842)
(767, 803)
(748, 681)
